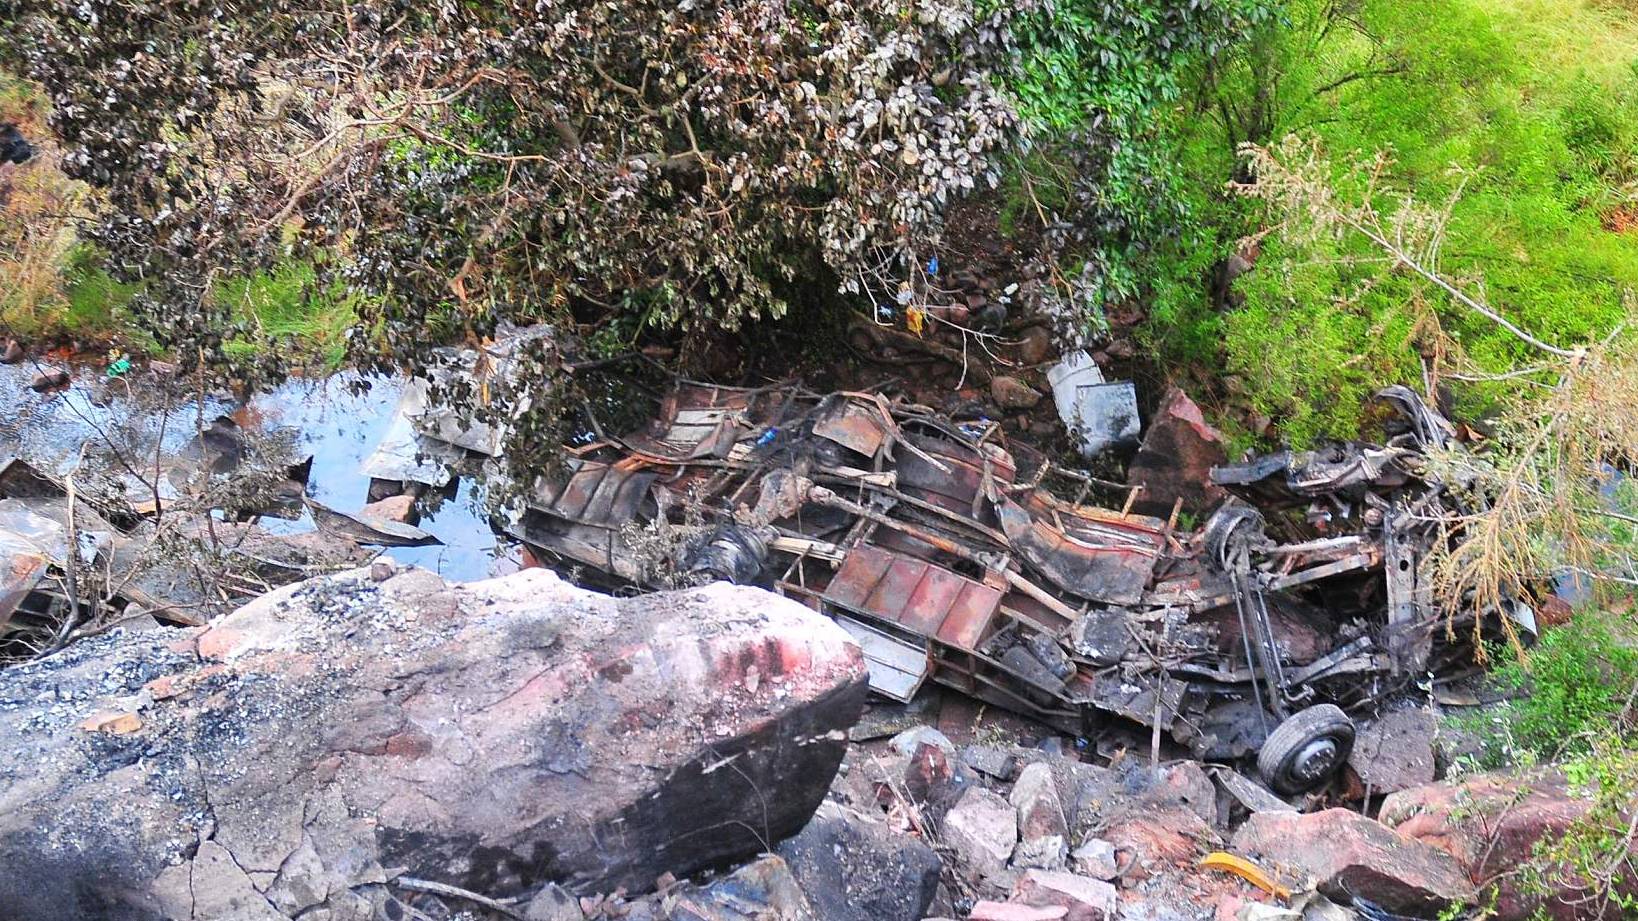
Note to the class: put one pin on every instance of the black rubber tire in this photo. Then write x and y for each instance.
(1224, 526)
(1280, 758)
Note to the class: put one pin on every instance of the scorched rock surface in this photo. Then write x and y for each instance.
(300, 751)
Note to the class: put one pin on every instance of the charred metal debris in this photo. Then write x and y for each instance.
(77, 561)
(958, 558)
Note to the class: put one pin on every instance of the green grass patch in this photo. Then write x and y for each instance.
(93, 300)
(287, 306)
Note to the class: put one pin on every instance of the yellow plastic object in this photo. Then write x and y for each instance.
(1246, 870)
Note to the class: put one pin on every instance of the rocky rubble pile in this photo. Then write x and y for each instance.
(1032, 835)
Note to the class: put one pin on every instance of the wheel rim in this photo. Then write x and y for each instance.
(1315, 761)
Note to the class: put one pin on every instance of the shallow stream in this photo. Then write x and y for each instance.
(324, 417)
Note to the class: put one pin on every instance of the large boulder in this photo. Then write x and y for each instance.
(982, 830)
(1351, 856)
(1010, 393)
(1175, 459)
(1491, 823)
(1396, 751)
(1085, 898)
(1157, 819)
(294, 756)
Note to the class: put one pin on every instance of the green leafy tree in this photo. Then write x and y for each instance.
(466, 166)
(686, 166)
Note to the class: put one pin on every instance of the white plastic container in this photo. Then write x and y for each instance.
(1100, 414)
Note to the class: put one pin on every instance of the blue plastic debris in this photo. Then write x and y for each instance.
(932, 266)
(767, 438)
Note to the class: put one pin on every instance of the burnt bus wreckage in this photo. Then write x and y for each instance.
(951, 558)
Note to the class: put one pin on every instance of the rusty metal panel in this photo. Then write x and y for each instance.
(1096, 560)
(893, 591)
(971, 614)
(696, 421)
(958, 489)
(571, 499)
(22, 572)
(700, 433)
(854, 426)
(597, 493)
(918, 596)
(860, 572)
(1133, 697)
(931, 598)
(614, 500)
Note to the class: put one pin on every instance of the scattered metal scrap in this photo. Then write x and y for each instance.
(1102, 415)
(361, 528)
(119, 566)
(947, 553)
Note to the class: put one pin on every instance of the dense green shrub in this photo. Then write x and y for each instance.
(479, 163)
(1580, 682)
(1474, 106)
(1576, 704)
(1574, 692)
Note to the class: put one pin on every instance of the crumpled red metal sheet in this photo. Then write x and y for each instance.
(959, 489)
(918, 596)
(853, 425)
(698, 421)
(597, 493)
